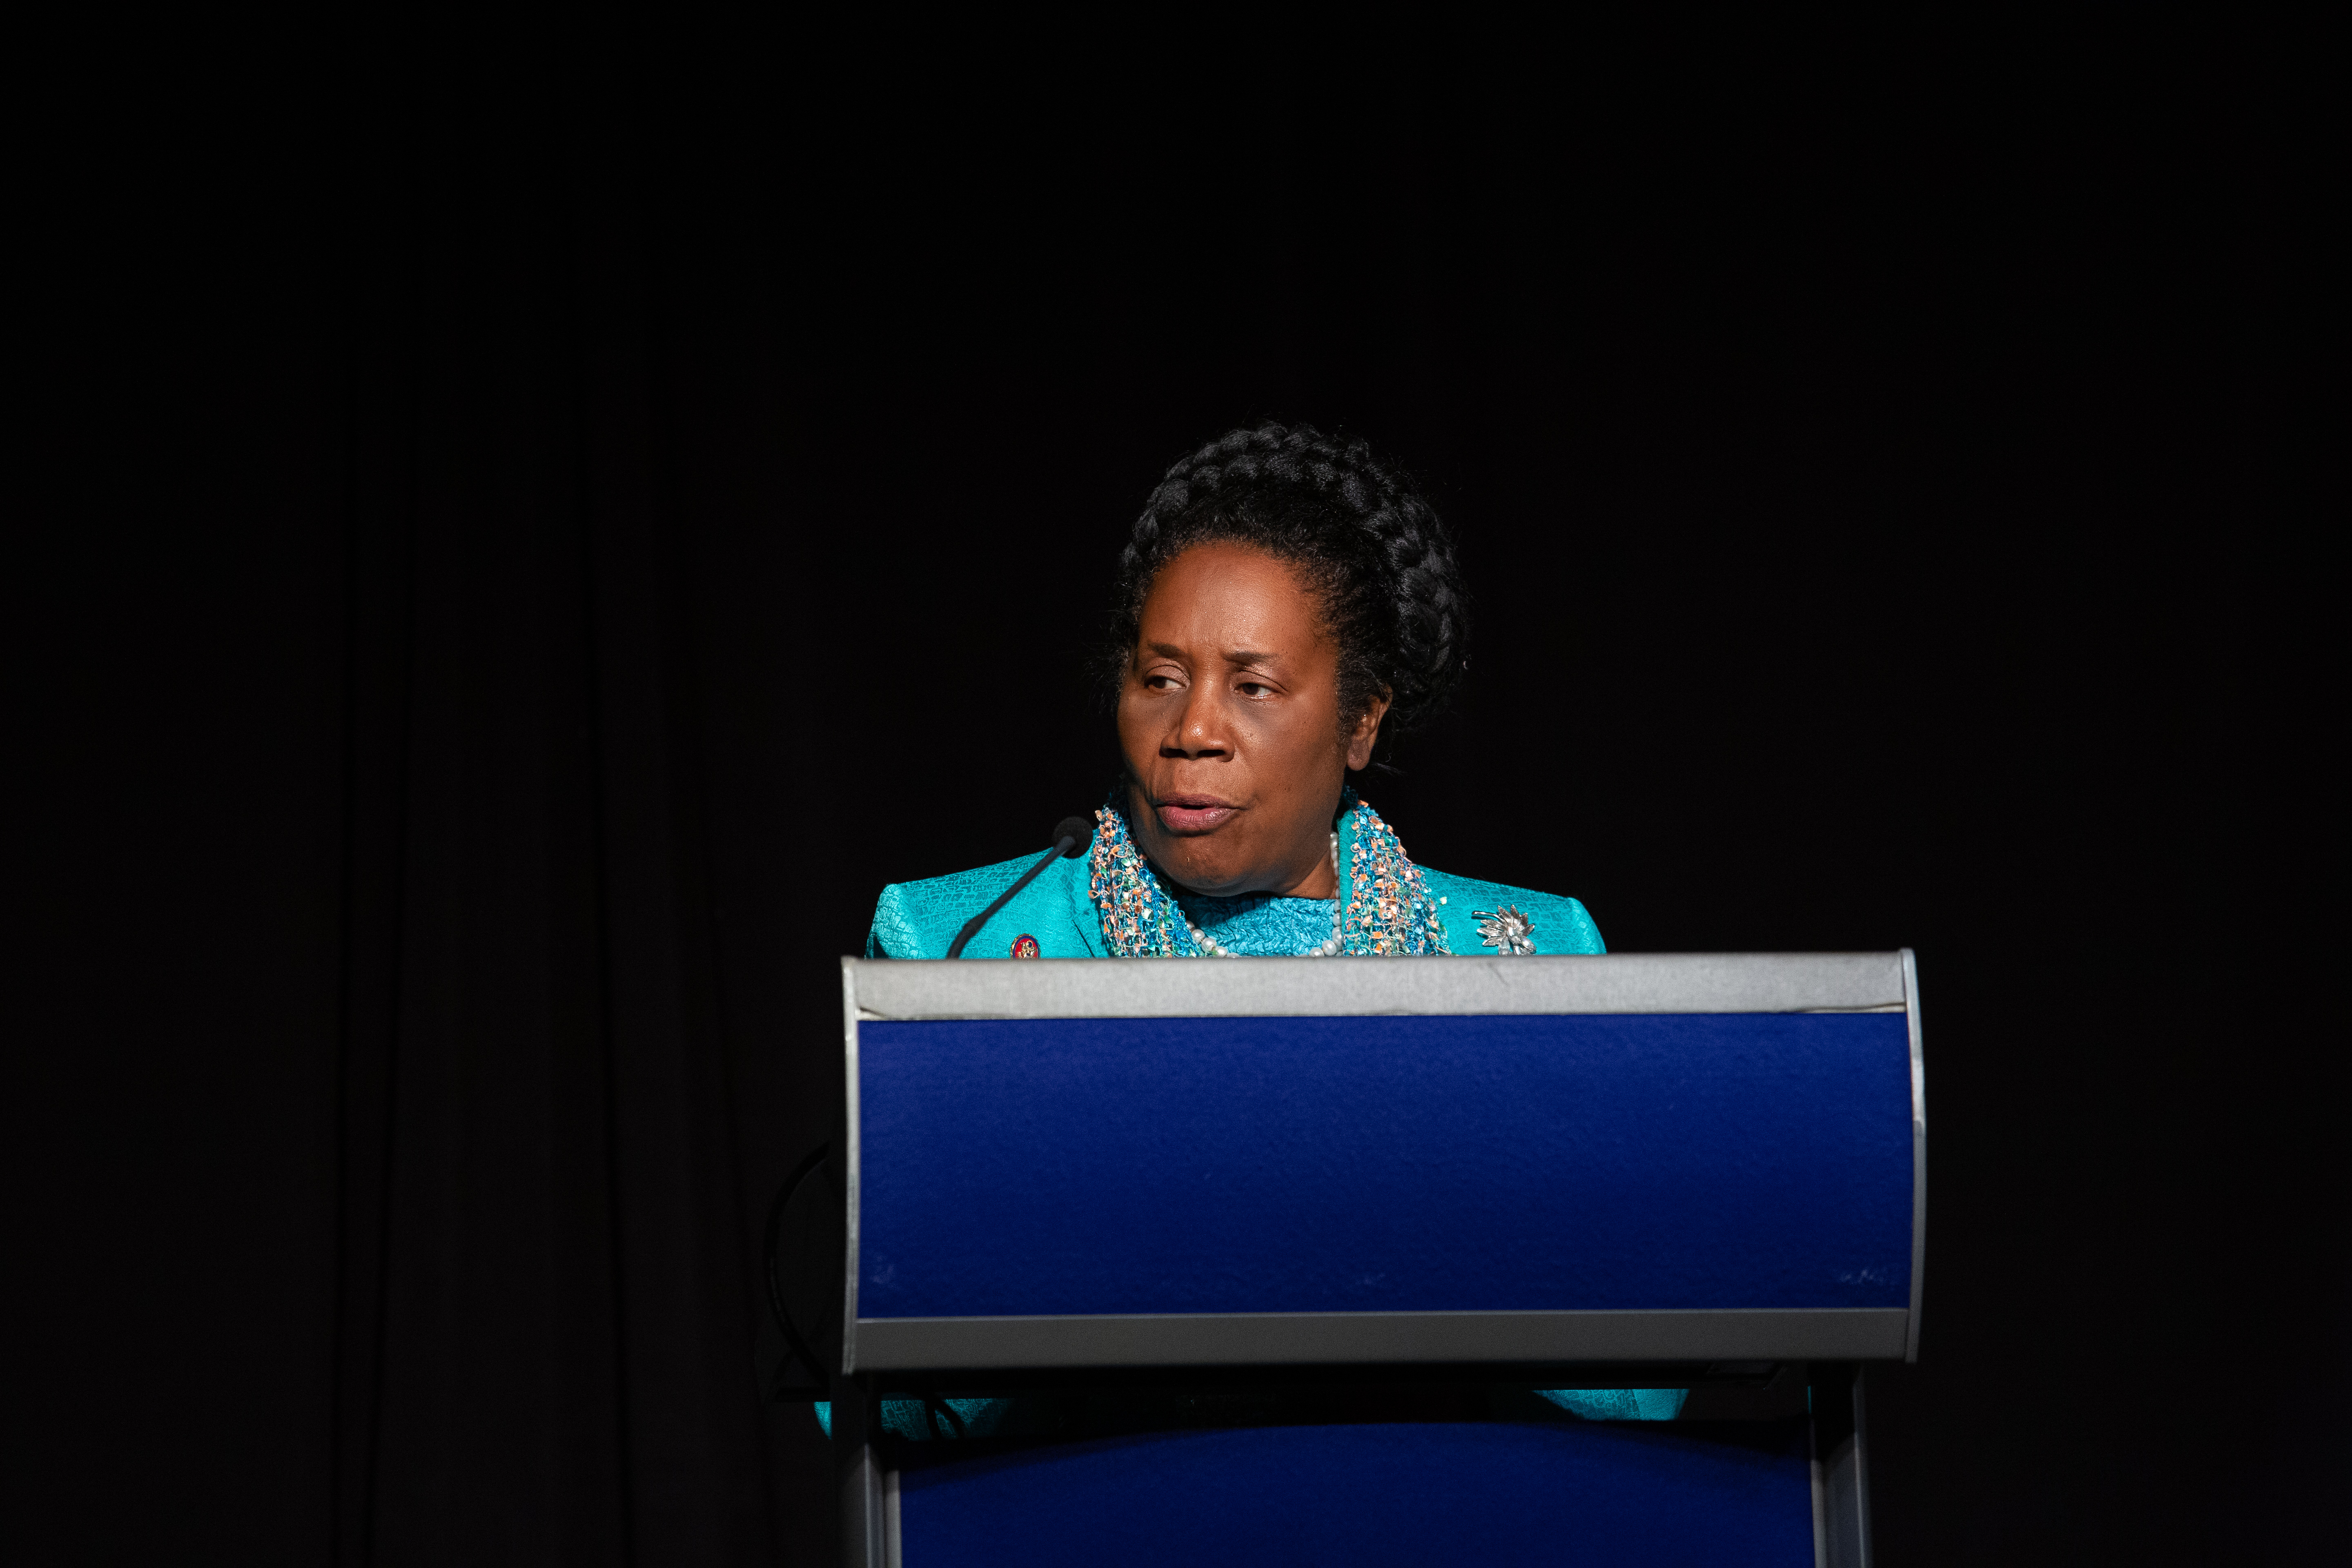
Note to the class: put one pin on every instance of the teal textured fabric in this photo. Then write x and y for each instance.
(1620, 1404)
(920, 920)
(1259, 925)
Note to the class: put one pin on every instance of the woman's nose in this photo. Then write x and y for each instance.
(1201, 729)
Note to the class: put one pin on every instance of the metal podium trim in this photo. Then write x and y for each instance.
(1839, 1439)
(1308, 987)
(1255, 1339)
(850, 1194)
(1918, 1155)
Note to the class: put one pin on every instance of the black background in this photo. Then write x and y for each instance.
(537, 543)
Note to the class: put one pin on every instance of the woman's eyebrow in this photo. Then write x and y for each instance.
(1241, 658)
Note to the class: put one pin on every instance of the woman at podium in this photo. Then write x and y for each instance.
(1284, 601)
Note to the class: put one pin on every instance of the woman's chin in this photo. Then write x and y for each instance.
(1211, 880)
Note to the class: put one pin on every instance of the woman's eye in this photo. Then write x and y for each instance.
(1253, 688)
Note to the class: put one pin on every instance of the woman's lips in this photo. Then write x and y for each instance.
(1193, 813)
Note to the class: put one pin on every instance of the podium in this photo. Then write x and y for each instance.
(1312, 1259)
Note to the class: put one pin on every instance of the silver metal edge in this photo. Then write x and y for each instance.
(863, 1516)
(1839, 1452)
(1848, 1485)
(894, 1551)
(1866, 1544)
(850, 1140)
(1919, 1154)
(1250, 1339)
(1820, 1491)
(1302, 987)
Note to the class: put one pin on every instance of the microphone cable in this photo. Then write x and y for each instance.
(796, 1345)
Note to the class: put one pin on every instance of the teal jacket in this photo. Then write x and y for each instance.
(920, 920)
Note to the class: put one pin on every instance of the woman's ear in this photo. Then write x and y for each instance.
(1368, 730)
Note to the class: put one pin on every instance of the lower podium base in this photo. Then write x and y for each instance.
(1726, 1495)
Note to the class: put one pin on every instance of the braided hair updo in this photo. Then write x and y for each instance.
(1364, 541)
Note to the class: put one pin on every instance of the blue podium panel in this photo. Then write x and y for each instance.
(1520, 1159)
(1385, 1165)
(1497, 1493)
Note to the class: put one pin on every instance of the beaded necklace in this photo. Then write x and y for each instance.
(1386, 907)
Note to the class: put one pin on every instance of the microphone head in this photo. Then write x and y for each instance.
(1077, 831)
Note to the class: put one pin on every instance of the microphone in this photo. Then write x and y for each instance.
(1070, 839)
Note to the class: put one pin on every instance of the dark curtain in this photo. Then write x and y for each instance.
(523, 556)
(416, 925)
(544, 1307)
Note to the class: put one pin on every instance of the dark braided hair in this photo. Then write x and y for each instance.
(1364, 540)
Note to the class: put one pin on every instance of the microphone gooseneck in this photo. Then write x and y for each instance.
(1071, 835)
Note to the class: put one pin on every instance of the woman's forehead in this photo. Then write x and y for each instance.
(1233, 597)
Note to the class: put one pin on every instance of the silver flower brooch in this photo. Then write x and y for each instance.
(1505, 929)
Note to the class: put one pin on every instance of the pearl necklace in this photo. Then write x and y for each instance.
(1212, 948)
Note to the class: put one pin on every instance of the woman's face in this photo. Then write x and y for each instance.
(1230, 722)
